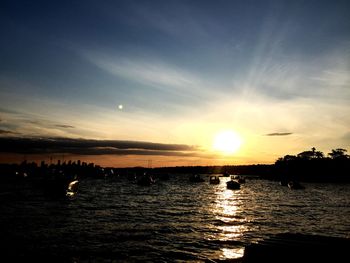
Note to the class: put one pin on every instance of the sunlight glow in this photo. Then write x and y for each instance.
(232, 253)
(227, 142)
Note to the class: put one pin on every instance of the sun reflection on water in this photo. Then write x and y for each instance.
(228, 211)
(232, 252)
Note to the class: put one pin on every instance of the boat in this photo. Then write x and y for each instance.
(284, 183)
(61, 186)
(72, 188)
(239, 179)
(145, 179)
(196, 178)
(233, 184)
(295, 185)
(225, 174)
(214, 179)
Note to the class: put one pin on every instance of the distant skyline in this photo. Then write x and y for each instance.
(162, 80)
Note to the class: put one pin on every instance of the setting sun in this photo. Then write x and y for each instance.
(227, 142)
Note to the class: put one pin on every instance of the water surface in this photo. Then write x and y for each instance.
(169, 221)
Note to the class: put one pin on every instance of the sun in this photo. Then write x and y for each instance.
(227, 142)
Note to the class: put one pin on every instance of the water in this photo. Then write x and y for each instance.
(114, 219)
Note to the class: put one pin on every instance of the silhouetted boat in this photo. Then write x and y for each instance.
(284, 183)
(239, 179)
(214, 180)
(233, 184)
(196, 178)
(72, 188)
(145, 179)
(61, 187)
(295, 185)
(225, 174)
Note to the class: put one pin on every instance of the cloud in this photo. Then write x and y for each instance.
(64, 126)
(279, 134)
(7, 132)
(150, 72)
(92, 147)
(335, 78)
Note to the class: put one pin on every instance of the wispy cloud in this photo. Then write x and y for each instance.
(92, 147)
(338, 78)
(65, 126)
(279, 134)
(176, 20)
(7, 132)
(147, 72)
(7, 111)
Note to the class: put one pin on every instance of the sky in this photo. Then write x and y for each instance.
(129, 83)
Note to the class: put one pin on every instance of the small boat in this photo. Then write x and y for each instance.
(60, 186)
(214, 180)
(72, 188)
(295, 185)
(238, 178)
(225, 174)
(233, 184)
(284, 183)
(241, 180)
(196, 178)
(145, 179)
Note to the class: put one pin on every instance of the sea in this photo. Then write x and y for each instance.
(116, 220)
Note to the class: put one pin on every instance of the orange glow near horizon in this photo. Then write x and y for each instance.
(127, 160)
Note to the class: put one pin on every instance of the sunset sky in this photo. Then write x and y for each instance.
(121, 83)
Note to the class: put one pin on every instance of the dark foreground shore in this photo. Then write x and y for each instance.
(288, 247)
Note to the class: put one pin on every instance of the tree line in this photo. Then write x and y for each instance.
(335, 154)
(310, 165)
(314, 166)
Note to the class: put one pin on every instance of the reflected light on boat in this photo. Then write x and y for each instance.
(70, 194)
(232, 252)
(72, 188)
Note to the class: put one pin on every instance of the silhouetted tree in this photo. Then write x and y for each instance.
(307, 155)
(313, 166)
(319, 154)
(313, 149)
(338, 154)
(289, 158)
